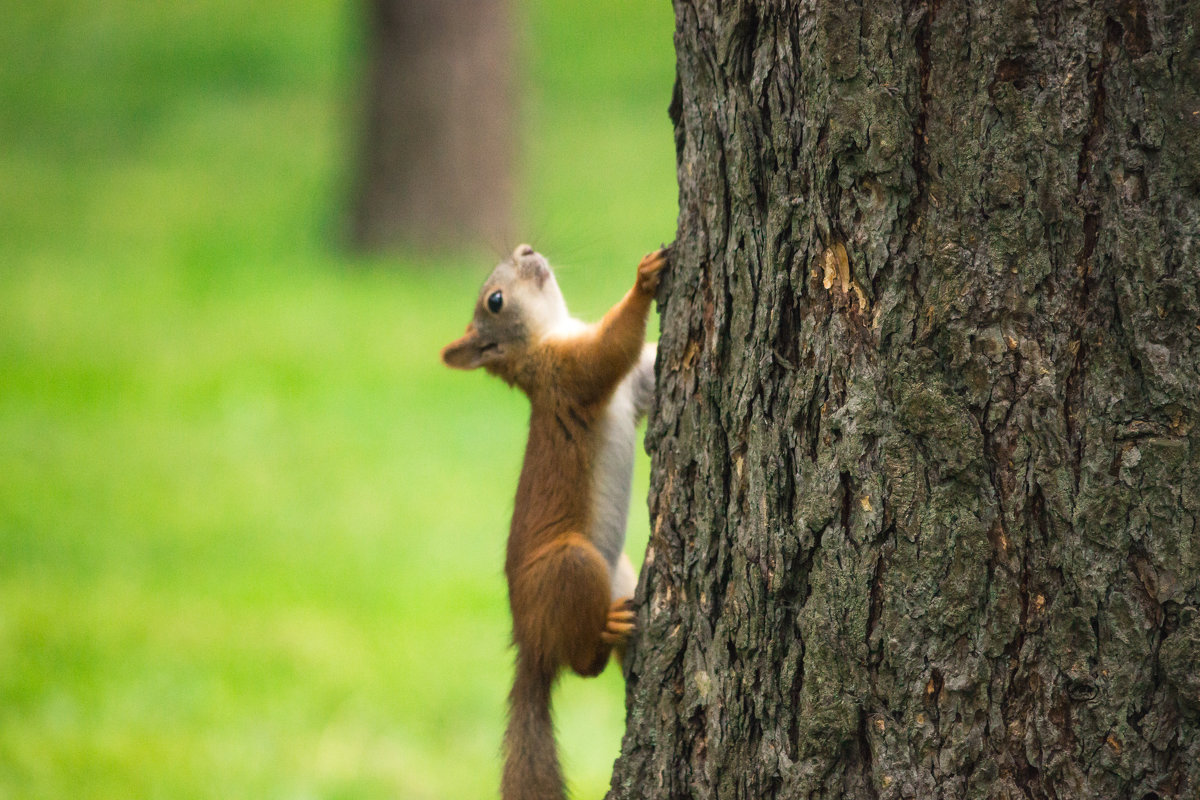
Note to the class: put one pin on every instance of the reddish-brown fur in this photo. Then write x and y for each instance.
(559, 584)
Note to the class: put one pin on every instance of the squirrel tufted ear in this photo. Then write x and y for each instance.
(464, 353)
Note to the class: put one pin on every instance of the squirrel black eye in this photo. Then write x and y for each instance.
(494, 302)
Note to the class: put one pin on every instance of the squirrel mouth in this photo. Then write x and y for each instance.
(489, 347)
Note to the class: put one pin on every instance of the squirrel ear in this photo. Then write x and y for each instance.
(464, 353)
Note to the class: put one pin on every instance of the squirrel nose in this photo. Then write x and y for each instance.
(523, 250)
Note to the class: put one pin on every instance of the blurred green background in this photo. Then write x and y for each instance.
(251, 531)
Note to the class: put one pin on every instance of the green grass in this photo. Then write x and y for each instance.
(251, 532)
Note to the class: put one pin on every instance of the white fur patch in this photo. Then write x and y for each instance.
(543, 309)
(612, 478)
(624, 579)
(565, 328)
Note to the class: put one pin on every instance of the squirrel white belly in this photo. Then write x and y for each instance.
(569, 581)
(612, 479)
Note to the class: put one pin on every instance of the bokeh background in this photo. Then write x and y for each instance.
(251, 531)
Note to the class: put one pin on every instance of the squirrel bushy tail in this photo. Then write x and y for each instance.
(531, 770)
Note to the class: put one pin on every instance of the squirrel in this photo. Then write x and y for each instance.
(570, 584)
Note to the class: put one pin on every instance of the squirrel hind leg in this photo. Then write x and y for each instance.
(565, 594)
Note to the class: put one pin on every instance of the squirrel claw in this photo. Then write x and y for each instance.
(620, 622)
(649, 268)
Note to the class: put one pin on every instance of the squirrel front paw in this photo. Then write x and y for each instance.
(649, 268)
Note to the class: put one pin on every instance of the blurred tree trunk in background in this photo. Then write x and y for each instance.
(926, 461)
(437, 150)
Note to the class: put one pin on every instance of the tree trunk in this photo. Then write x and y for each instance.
(926, 461)
(437, 150)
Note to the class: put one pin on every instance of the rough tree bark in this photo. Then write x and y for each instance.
(926, 461)
(437, 149)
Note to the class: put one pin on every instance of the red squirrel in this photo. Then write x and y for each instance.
(570, 584)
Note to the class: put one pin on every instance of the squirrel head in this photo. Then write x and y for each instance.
(518, 305)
